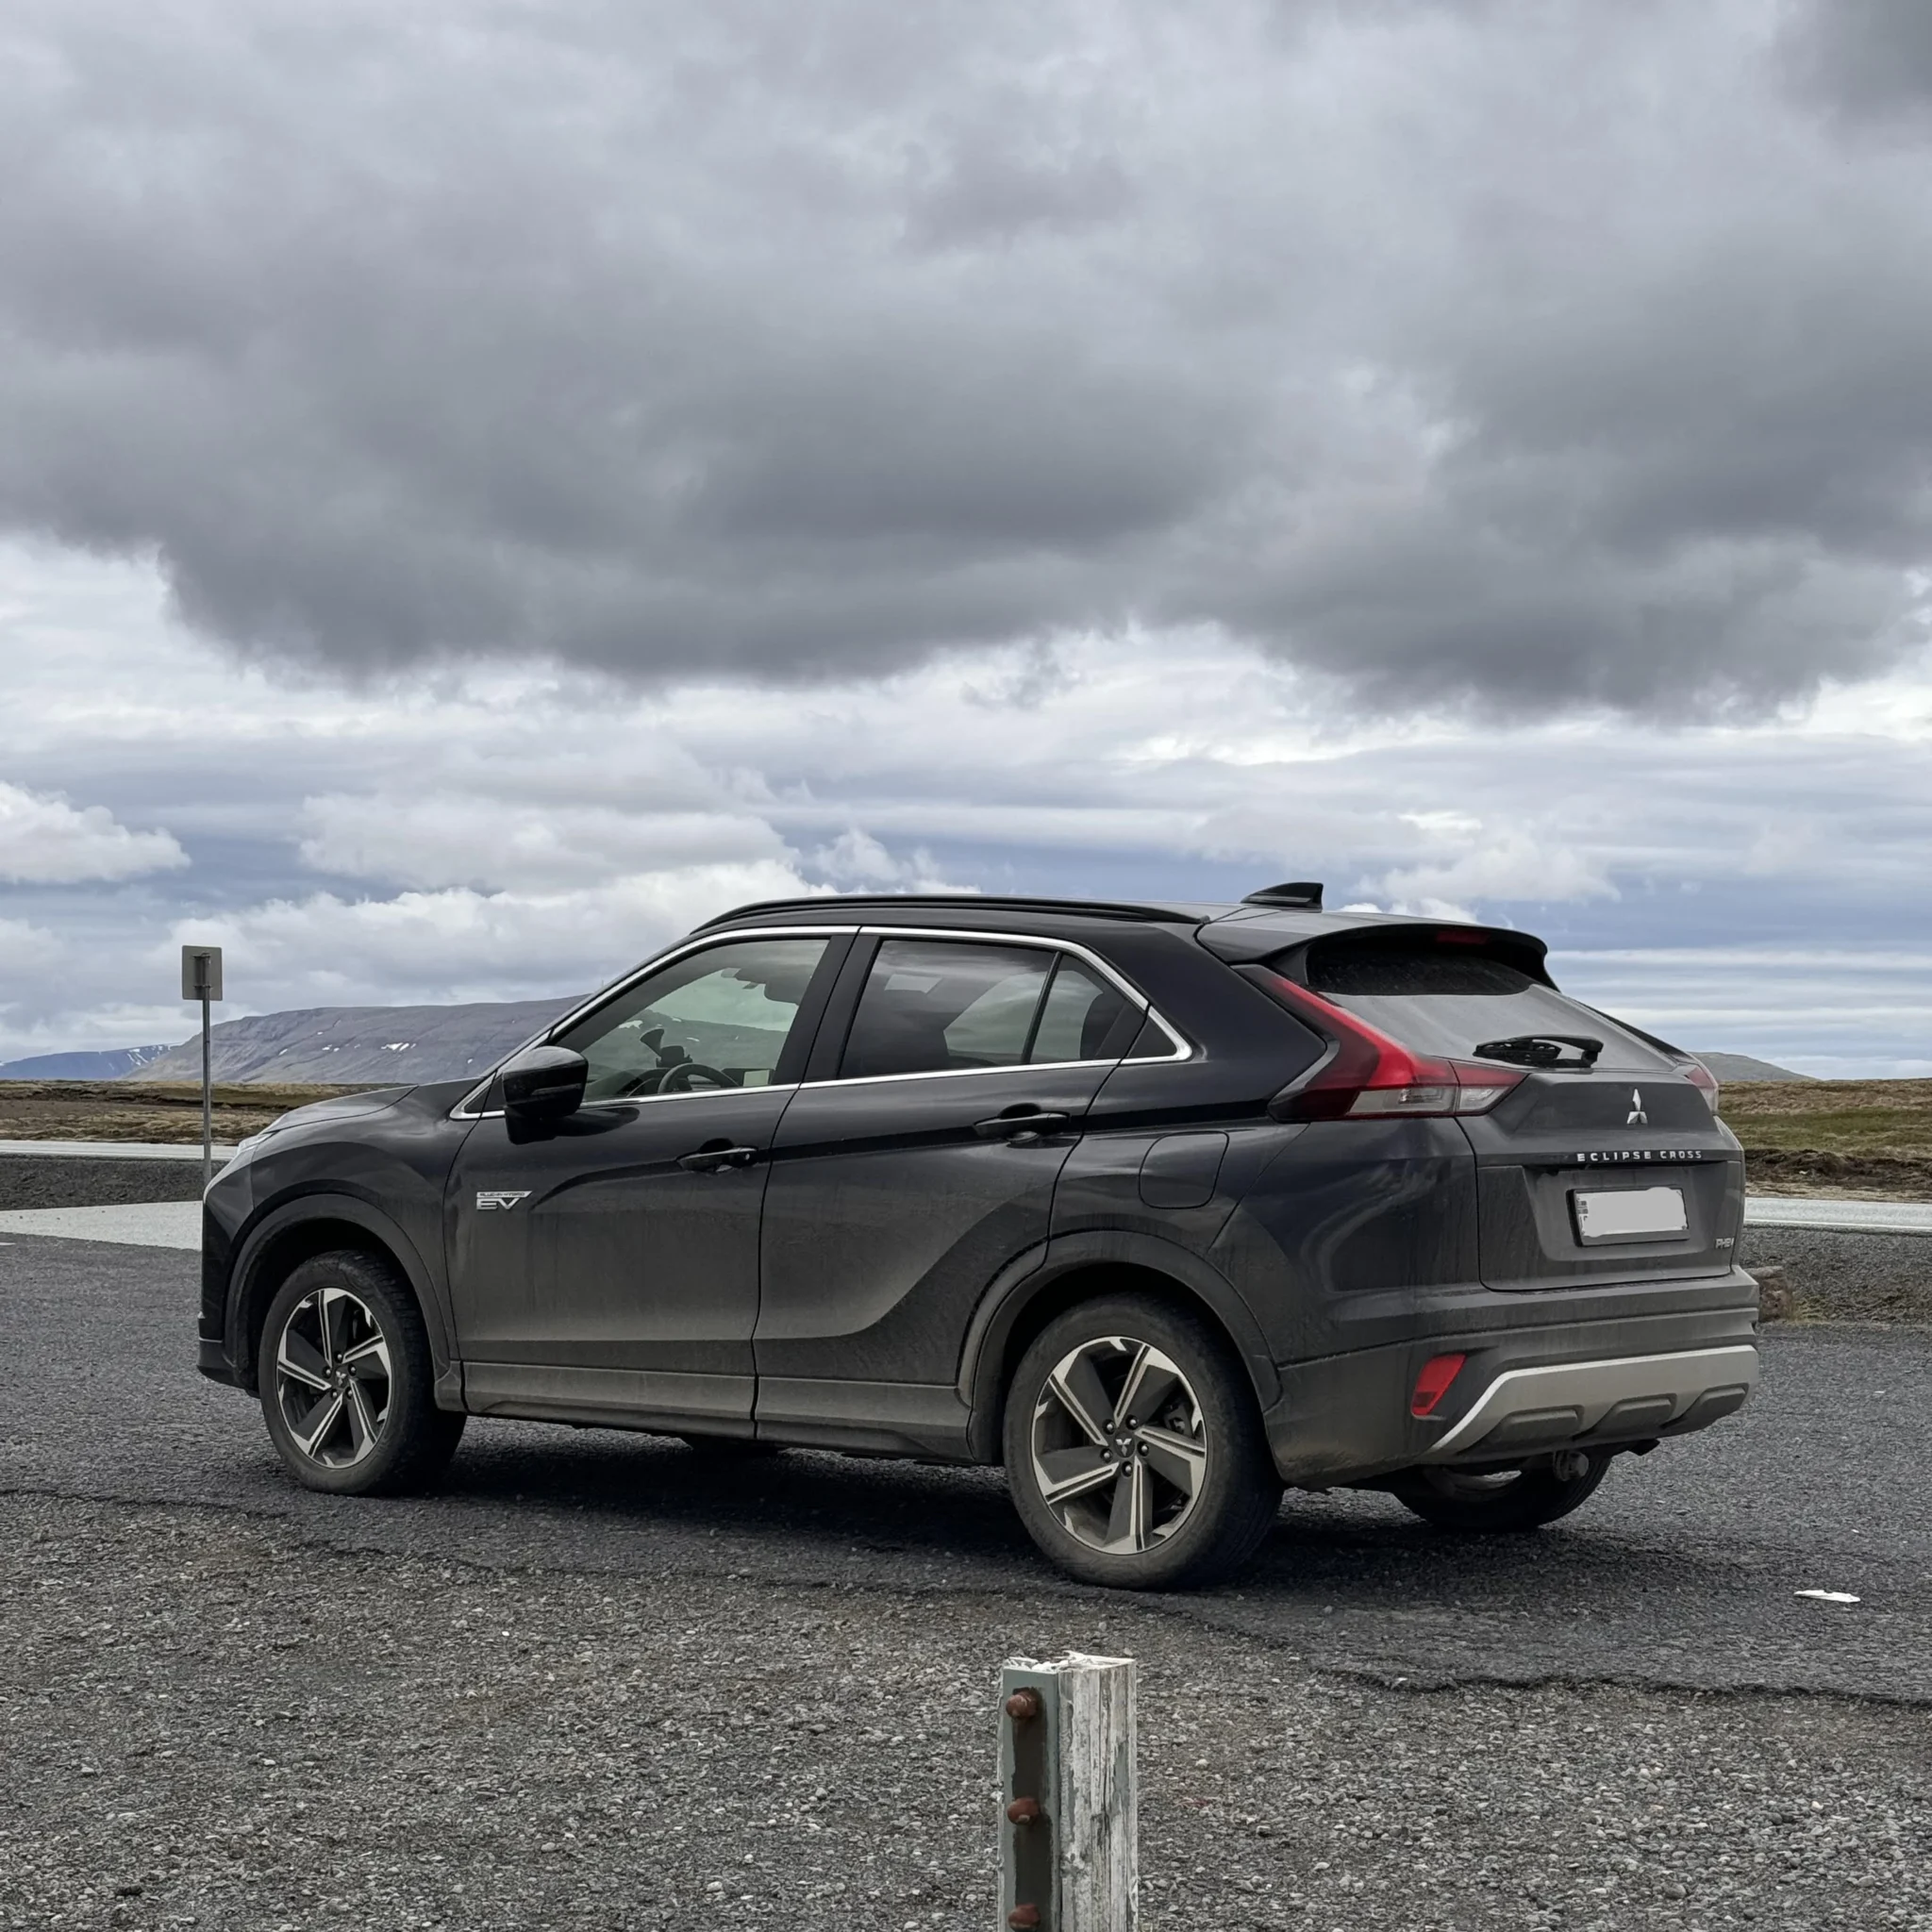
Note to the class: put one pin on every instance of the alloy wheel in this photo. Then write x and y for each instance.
(1119, 1445)
(333, 1378)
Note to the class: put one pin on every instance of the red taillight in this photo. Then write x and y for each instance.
(1371, 1076)
(1433, 1383)
(1701, 1077)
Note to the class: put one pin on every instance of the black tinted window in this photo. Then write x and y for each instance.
(1450, 999)
(1082, 1017)
(945, 1005)
(1443, 975)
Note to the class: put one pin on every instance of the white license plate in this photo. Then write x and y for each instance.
(1628, 1214)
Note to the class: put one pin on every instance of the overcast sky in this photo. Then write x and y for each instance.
(482, 487)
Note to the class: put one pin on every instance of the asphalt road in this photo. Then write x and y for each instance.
(1681, 1571)
(600, 1684)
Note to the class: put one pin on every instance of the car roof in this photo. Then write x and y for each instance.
(1233, 932)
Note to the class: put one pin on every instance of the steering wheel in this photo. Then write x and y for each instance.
(680, 1078)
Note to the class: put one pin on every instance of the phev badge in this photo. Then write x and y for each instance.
(501, 1197)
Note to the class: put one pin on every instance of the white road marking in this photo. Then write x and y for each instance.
(111, 1150)
(1850, 1217)
(138, 1224)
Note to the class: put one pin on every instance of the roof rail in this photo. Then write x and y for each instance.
(1087, 909)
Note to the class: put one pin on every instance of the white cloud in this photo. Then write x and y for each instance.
(459, 944)
(1507, 866)
(498, 834)
(44, 841)
(464, 838)
(27, 950)
(855, 860)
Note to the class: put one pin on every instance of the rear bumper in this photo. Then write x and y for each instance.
(1581, 1405)
(1522, 1392)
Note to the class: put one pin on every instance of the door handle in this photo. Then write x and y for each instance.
(1022, 1124)
(714, 1157)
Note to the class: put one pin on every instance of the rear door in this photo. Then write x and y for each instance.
(919, 1158)
(1606, 1163)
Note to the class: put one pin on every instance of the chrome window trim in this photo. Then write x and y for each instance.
(584, 1008)
(1182, 1050)
(1109, 973)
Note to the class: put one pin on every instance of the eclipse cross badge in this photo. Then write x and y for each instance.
(1638, 1118)
(501, 1197)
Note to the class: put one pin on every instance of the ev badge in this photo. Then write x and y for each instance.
(501, 1197)
(1638, 1118)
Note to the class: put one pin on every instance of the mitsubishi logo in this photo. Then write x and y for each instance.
(502, 1197)
(1637, 1117)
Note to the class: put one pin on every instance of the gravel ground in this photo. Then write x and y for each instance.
(209, 1720)
(71, 1181)
(1847, 1277)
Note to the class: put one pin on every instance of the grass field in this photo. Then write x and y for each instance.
(1866, 1137)
(131, 1111)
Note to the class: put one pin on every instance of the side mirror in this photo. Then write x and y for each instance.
(544, 1083)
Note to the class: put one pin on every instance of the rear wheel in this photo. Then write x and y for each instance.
(345, 1379)
(1493, 1502)
(1134, 1449)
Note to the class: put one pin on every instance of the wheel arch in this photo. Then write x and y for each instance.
(1081, 1268)
(320, 1224)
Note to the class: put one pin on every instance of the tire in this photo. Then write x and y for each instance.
(730, 1448)
(1496, 1502)
(345, 1378)
(1191, 1489)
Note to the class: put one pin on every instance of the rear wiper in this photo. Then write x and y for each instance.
(1542, 1050)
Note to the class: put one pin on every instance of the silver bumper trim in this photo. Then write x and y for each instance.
(1593, 1389)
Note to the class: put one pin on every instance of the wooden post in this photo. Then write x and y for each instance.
(1070, 1858)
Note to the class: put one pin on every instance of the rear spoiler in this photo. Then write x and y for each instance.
(1284, 950)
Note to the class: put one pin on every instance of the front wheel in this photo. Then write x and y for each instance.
(1501, 1501)
(347, 1378)
(1134, 1449)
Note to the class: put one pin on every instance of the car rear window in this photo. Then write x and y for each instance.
(1453, 997)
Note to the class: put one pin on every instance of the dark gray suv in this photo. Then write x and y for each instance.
(1163, 1207)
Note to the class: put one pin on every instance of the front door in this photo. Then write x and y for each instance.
(608, 1268)
(901, 1185)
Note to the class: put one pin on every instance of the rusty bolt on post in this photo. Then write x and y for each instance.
(1069, 1857)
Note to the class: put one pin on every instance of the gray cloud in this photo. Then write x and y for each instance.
(1865, 56)
(1547, 356)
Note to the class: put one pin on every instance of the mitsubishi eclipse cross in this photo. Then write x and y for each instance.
(1161, 1206)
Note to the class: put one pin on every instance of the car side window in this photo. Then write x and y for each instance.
(712, 1020)
(1084, 1018)
(945, 1005)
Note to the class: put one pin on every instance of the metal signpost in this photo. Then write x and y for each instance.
(1070, 1858)
(200, 979)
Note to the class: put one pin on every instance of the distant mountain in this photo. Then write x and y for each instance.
(116, 1064)
(1741, 1066)
(361, 1045)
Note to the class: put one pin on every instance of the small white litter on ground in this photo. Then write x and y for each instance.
(137, 1225)
(1828, 1596)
